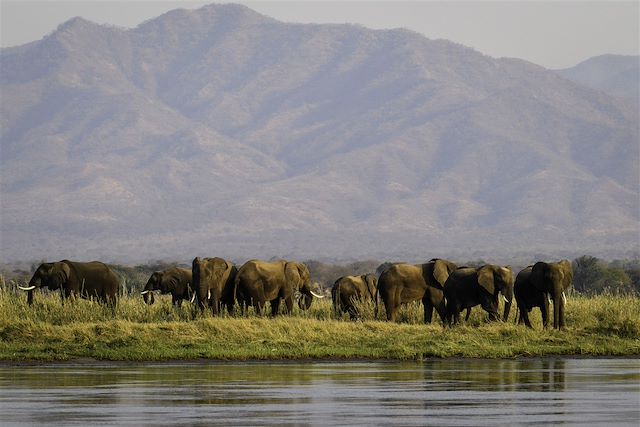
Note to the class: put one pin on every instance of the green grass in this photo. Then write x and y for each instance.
(597, 326)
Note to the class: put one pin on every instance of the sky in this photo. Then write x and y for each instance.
(555, 34)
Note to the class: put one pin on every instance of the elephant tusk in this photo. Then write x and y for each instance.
(549, 298)
(144, 292)
(29, 288)
(564, 298)
(505, 299)
(193, 298)
(209, 294)
(316, 295)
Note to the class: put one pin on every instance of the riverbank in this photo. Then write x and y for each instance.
(599, 326)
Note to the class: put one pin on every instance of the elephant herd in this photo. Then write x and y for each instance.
(216, 284)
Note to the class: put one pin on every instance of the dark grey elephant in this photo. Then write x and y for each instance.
(404, 283)
(175, 281)
(467, 287)
(528, 297)
(213, 280)
(347, 291)
(76, 279)
(551, 280)
(258, 282)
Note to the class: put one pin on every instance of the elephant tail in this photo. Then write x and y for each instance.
(334, 298)
(375, 299)
(235, 288)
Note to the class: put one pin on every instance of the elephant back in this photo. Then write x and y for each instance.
(523, 279)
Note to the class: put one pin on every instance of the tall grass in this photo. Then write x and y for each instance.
(48, 330)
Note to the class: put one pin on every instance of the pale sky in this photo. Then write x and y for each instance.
(554, 34)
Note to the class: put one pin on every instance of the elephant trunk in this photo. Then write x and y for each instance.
(508, 300)
(375, 299)
(30, 297)
(559, 300)
(507, 308)
(305, 300)
(148, 297)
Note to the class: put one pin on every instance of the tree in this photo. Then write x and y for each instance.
(586, 271)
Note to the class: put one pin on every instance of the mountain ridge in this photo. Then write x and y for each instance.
(221, 131)
(616, 75)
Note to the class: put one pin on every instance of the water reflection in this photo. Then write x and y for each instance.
(434, 392)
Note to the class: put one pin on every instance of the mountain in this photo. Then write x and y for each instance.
(220, 131)
(617, 75)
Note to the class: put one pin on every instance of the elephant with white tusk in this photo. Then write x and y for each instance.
(213, 281)
(175, 281)
(403, 283)
(550, 281)
(258, 282)
(84, 279)
(467, 287)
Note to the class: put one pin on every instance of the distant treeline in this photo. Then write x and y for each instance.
(590, 275)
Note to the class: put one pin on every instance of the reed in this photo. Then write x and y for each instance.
(605, 325)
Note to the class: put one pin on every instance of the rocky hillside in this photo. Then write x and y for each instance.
(220, 131)
(617, 75)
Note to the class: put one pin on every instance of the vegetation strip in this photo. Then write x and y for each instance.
(604, 325)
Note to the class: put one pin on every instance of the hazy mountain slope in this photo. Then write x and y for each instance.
(617, 75)
(221, 131)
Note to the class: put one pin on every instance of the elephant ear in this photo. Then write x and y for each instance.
(226, 273)
(567, 271)
(170, 281)
(292, 273)
(61, 272)
(485, 279)
(440, 271)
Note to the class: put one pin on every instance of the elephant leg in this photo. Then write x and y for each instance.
(441, 309)
(525, 316)
(490, 309)
(288, 303)
(454, 313)
(353, 312)
(258, 306)
(391, 310)
(275, 306)
(230, 308)
(466, 317)
(544, 311)
(428, 310)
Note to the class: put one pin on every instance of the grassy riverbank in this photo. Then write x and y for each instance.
(598, 326)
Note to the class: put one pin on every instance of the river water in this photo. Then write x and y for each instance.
(451, 392)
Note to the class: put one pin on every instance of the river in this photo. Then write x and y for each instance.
(449, 392)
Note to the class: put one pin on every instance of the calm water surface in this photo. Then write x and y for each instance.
(437, 392)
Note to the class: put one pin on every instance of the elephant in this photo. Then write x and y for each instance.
(403, 283)
(175, 280)
(84, 279)
(259, 281)
(552, 280)
(467, 287)
(347, 290)
(213, 281)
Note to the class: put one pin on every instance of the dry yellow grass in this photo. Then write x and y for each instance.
(597, 326)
